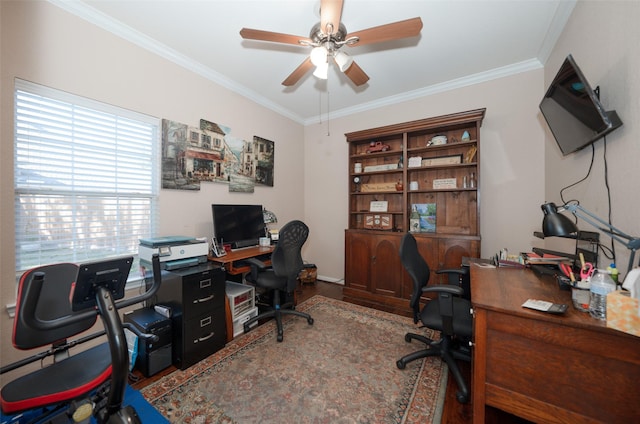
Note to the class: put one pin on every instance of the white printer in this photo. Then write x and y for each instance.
(175, 251)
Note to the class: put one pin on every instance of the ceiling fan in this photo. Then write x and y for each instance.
(327, 38)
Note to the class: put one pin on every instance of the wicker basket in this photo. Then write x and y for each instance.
(308, 274)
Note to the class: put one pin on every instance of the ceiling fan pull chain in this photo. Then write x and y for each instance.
(328, 109)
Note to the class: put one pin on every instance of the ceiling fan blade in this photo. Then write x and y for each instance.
(387, 32)
(298, 73)
(330, 14)
(356, 74)
(276, 37)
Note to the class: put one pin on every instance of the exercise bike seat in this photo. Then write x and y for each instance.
(67, 380)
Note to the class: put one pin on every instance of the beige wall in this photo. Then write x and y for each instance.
(603, 39)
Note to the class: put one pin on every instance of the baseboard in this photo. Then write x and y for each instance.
(326, 279)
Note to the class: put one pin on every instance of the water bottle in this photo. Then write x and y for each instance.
(613, 271)
(601, 285)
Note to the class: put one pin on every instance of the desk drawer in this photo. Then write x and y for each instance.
(563, 373)
(202, 291)
(203, 336)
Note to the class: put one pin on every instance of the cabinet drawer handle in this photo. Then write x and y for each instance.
(203, 299)
(202, 339)
(205, 283)
(205, 321)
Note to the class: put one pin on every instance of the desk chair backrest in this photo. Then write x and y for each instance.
(53, 303)
(286, 259)
(417, 268)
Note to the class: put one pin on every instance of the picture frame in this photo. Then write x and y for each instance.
(378, 206)
(444, 183)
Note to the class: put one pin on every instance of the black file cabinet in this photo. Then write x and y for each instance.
(196, 296)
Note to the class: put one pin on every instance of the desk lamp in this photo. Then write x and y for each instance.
(556, 224)
(270, 218)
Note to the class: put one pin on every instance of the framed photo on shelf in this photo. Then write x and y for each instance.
(378, 206)
(427, 214)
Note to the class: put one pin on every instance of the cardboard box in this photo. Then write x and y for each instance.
(623, 312)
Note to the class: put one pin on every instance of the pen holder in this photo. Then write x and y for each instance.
(581, 295)
(564, 283)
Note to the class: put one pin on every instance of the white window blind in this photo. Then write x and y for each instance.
(86, 178)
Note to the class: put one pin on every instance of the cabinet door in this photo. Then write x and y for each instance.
(451, 251)
(357, 261)
(386, 267)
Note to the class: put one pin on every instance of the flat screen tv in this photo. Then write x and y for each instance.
(238, 225)
(573, 110)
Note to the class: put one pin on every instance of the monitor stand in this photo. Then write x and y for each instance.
(241, 244)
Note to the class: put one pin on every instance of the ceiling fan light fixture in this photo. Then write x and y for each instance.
(322, 71)
(343, 60)
(318, 55)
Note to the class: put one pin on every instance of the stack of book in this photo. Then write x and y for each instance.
(524, 260)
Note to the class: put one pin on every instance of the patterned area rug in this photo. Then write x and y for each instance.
(342, 369)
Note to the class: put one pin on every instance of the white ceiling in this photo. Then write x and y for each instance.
(462, 42)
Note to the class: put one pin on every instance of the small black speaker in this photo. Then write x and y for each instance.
(153, 356)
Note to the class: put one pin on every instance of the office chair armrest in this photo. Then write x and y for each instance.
(443, 289)
(256, 266)
(458, 277)
(457, 271)
(257, 263)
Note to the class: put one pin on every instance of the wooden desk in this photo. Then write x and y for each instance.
(231, 266)
(547, 368)
(231, 259)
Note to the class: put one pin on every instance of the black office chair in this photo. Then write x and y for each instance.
(449, 313)
(282, 276)
(90, 382)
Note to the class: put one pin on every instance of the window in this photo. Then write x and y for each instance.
(85, 176)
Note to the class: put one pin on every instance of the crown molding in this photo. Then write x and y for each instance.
(478, 78)
(560, 19)
(90, 14)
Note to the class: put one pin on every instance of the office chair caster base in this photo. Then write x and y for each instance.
(462, 397)
(126, 415)
(310, 321)
(401, 364)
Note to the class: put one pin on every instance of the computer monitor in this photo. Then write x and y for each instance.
(238, 225)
